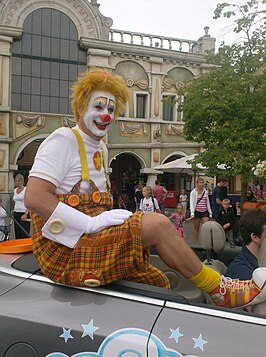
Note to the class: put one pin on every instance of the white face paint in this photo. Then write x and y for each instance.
(99, 114)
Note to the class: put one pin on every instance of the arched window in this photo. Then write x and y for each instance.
(45, 62)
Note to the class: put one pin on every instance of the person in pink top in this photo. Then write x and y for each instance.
(178, 218)
(200, 208)
(159, 192)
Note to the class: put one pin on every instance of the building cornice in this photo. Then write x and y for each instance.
(10, 31)
(154, 145)
(138, 50)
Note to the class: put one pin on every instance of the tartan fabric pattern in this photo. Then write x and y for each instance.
(112, 254)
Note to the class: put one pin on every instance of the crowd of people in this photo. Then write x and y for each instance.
(200, 205)
(196, 206)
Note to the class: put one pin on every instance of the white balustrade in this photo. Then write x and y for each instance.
(143, 39)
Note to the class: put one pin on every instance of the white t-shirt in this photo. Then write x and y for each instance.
(18, 198)
(2, 216)
(147, 206)
(64, 169)
(58, 161)
(183, 199)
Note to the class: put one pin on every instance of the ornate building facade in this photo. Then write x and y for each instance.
(44, 45)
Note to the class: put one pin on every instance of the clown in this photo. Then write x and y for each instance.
(77, 239)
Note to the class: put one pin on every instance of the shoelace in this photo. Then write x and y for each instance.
(234, 284)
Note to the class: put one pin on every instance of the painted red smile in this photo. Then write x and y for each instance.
(101, 126)
(105, 121)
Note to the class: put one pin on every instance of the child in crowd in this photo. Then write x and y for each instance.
(237, 237)
(2, 213)
(148, 203)
(138, 195)
(226, 217)
(183, 199)
(121, 202)
(258, 192)
(179, 219)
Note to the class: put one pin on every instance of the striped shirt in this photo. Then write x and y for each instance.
(202, 205)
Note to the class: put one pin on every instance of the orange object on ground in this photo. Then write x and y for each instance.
(253, 205)
(16, 246)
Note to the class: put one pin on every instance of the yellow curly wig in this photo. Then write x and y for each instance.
(97, 80)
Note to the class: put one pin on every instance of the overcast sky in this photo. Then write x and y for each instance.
(176, 18)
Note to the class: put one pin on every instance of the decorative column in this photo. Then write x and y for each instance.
(156, 134)
(152, 176)
(7, 34)
(5, 140)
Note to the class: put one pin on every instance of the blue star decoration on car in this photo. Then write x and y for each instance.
(175, 334)
(66, 334)
(133, 340)
(89, 329)
(199, 342)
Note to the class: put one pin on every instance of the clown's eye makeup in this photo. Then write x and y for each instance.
(100, 103)
(111, 106)
(111, 109)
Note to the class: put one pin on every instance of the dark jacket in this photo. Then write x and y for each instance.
(226, 217)
(139, 196)
(243, 265)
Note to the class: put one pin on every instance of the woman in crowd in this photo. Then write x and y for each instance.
(200, 208)
(183, 199)
(20, 213)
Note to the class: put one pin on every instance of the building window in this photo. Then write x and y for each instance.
(45, 63)
(124, 114)
(169, 107)
(141, 105)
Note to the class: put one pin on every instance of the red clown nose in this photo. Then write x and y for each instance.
(106, 118)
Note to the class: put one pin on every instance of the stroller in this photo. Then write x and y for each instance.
(4, 232)
(5, 229)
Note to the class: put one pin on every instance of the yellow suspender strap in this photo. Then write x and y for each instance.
(105, 167)
(85, 176)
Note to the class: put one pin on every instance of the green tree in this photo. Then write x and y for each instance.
(225, 109)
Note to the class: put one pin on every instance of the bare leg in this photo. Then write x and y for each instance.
(204, 219)
(196, 223)
(159, 232)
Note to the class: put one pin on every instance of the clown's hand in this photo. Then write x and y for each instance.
(107, 219)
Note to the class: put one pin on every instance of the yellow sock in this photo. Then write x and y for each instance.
(206, 280)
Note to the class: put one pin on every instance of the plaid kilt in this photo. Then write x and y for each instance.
(109, 255)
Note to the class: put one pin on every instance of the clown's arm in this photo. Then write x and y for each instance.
(40, 199)
(53, 163)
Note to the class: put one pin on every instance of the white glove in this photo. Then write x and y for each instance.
(107, 219)
(75, 223)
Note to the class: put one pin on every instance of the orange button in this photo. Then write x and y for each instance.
(73, 200)
(96, 197)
